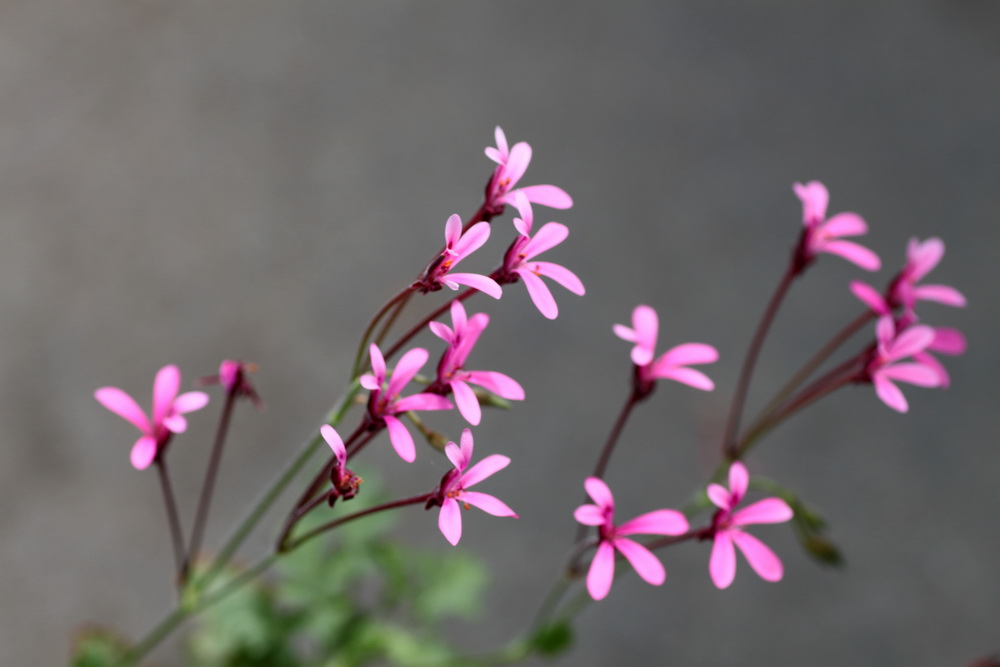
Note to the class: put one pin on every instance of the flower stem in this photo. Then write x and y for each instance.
(176, 535)
(201, 516)
(743, 384)
(359, 356)
(299, 541)
(427, 320)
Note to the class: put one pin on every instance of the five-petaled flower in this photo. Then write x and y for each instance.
(452, 495)
(345, 483)
(672, 364)
(612, 538)
(824, 235)
(457, 247)
(168, 413)
(511, 165)
(727, 528)
(517, 261)
(893, 345)
(451, 374)
(384, 401)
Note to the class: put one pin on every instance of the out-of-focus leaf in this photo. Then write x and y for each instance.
(553, 639)
(97, 647)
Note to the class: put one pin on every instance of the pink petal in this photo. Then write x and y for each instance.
(378, 364)
(123, 405)
(720, 496)
(472, 240)
(658, 522)
(190, 401)
(442, 331)
(458, 316)
(761, 558)
(406, 368)
(487, 503)
(948, 341)
(642, 559)
(421, 402)
(336, 443)
(549, 236)
(517, 162)
(769, 510)
(452, 231)
(688, 376)
(454, 455)
(485, 468)
(498, 383)
(589, 515)
(689, 353)
(467, 447)
(815, 198)
(602, 571)
(599, 492)
(523, 206)
(450, 520)
(548, 195)
(401, 439)
(923, 257)
(739, 480)
(625, 333)
(539, 293)
(889, 393)
(561, 275)
(369, 382)
(854, 253)
(845, 224)
(484, 284)
(143, 452)
(722, 564)
(501, 140)
(949, 296)
(909, 342)
(870, 296)
(913, 373)
(885, 330)
(165, 387)
(175, 423)
(944, 380)
(468, 404)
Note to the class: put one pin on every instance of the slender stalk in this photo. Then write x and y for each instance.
(176, 535)
(427, 320)
(359, 356)
(400, 306)
(743, 384)
(299, 541)
(208, 487)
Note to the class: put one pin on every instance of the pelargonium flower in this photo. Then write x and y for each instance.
(893, 345)
(384, 401)
(921, 258)
(450, 373)
(727, 527)
(345, 483)
(517, 261)
(511, 165)
(457, 247)
(613, 538)
(824, 235)
(452, 494)
(672, 364)
(168, 413)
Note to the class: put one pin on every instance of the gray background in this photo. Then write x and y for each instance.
(185, 182)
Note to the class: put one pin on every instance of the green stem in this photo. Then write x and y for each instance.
(359, 356)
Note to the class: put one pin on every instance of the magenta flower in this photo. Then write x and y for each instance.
(345, 483)
(384, 401)
(457, 247)
(517, 261)
(727, 527)
(891, 346)
(672, 364)
(824, 235)
(511, 165)
(168, 413)
(450, 373)
(612, 538)
(921, 258)
(452, 494)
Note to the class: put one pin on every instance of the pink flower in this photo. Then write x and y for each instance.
(345, 483)
(168, 413)
(673, 363)
(234, 378)
(824, 235)
(728, 530)
(904, 291)
(451, 374)
(384, 402)
(891, 346)
(457, 247)
(511, 165)
(612, 538)
(452, 495)
(517, 264)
